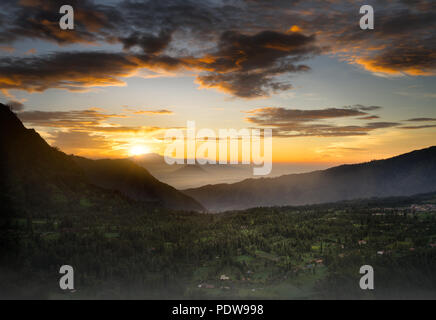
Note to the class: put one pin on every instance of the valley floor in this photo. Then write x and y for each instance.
(310, 252)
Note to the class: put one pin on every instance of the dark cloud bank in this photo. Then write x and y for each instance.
(244, 48)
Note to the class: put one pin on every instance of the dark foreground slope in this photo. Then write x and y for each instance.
(407, 174)
(135, 182)
(38, 179)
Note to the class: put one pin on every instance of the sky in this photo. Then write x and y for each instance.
(332, 92)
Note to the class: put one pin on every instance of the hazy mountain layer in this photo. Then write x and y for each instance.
(184, 176)
(406, 174)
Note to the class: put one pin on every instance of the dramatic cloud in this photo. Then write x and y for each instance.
(413, 61)
(245, 66)
(39, 19)
(75, 71)
(275, 115)
(149, 43)
(246, 48)
(66, 119)
(248, 66)
(402, 42)
(66, 70)
(90, 120)
(297, 122)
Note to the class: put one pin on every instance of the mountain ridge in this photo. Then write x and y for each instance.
(402, 175)
(36, 176)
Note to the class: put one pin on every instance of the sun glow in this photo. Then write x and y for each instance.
(138, 150)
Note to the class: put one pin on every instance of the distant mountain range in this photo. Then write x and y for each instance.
(403, 175)
(35, 177)
(184, 176)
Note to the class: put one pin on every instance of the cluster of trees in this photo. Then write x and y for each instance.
(148, 252)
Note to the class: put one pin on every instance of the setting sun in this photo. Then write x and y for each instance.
(139, 150)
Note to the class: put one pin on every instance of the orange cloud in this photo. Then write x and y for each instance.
(375, 66)
(74, 71)
(89, 132)
(154, 112)
(150, 112)
(295, 28)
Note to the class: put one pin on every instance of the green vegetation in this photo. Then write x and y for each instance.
(271, 253)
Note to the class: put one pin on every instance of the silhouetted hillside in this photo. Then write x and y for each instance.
(37, 179)
(135, 182)
(407, 174)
